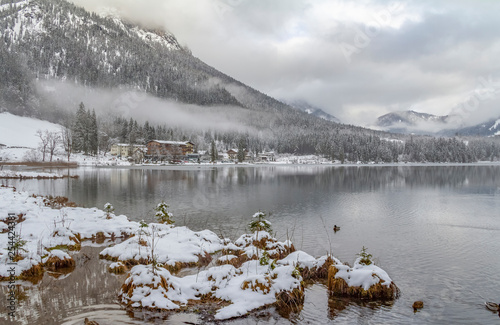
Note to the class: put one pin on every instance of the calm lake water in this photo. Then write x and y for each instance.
(434, 229)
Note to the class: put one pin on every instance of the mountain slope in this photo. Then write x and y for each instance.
(72, 44)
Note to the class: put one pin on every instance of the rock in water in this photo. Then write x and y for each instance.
(418, 305)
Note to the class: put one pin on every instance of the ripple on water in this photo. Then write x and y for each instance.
(115, 314)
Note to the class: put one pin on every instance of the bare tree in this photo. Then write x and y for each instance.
(44, 142)
(105, 142)
(67, 140)
(175, 153)
(52, 142)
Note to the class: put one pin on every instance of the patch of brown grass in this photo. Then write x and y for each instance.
(204, 260)
(34, 274)
(338, 286)
(58, 202)
(120, 269)
(257, 285)
(288, 302)
(54, 263)
(316, 273)
(20, 218)
(98, 238)
(282, 253)
(235, 261)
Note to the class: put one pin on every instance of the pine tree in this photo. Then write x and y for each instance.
(213, 152)
(241, 150)
(93, 134)
(80, 130)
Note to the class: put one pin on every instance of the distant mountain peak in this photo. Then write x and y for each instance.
(410, 118)
(310, 109)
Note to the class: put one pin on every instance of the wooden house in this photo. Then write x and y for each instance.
(160, 149)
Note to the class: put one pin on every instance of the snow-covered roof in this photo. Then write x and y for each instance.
(172, 142)
(128, 145)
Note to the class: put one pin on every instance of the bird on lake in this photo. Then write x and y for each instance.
(492, 306)
(336, 228)
(90, 322)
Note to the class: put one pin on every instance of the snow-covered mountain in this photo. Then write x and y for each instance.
(306, 107)
(409, 118)
(412, 122)
(53, 39)
(487, 129)
(422, 123)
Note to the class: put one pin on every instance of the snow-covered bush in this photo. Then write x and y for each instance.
(163, 215)
(365, 258)
(259, 223)
(109, 209)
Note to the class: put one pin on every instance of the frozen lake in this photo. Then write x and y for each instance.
(434, 229)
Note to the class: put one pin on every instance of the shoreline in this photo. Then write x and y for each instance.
(247, 165)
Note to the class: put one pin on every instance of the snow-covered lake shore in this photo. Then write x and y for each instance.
(251, 272)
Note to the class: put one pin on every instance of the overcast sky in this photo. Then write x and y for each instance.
(355, 59)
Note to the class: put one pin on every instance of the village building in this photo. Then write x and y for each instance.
(169, 150)
(266, 157)
(233, 154)
(125, 150)
(138, 156)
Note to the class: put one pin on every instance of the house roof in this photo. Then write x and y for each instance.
(172, 142)
(128, 145)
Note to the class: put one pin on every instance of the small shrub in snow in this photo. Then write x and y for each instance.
(18, 245)
(366, 259)
(163, 215)
(259, 223)
(143, 226)
(108, 207)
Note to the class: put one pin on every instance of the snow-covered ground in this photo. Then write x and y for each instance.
(24, 174)
(19, 131)
(261, 270)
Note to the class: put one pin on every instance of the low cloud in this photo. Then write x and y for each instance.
(128, 103)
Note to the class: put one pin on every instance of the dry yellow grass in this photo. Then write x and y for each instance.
(120, 269)
(290, 301)
(54, 263)
(338, 286)
(258, 285)
(34, 274)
